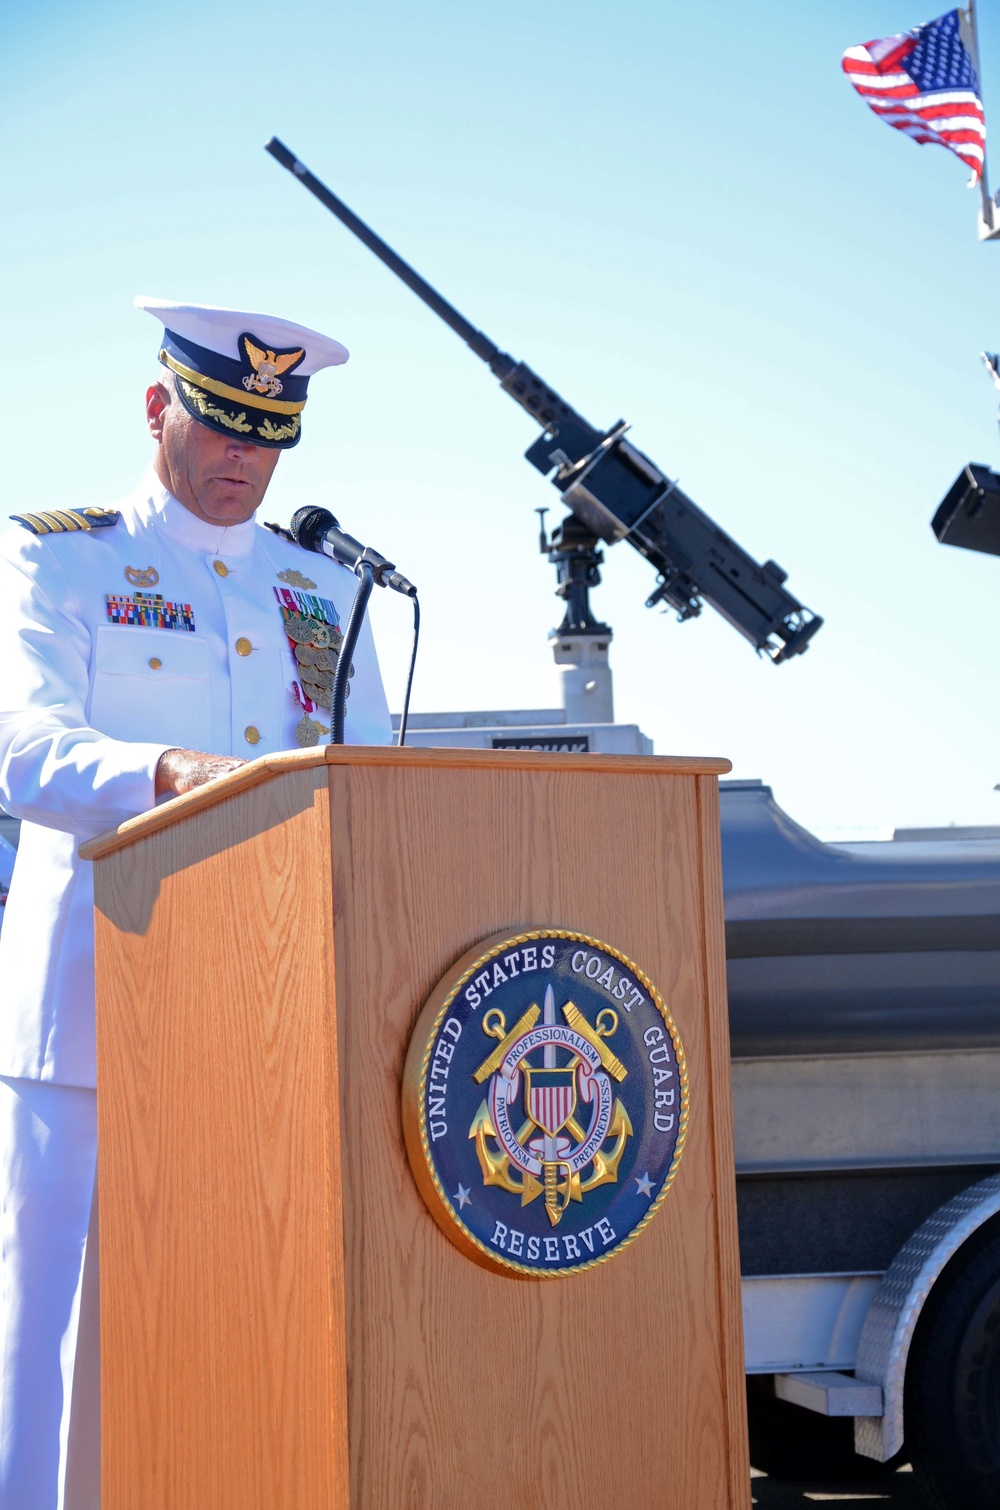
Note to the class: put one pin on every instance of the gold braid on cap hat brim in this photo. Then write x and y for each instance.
(268, 431)
(223, 390)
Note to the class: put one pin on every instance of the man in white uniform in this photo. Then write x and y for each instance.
(145, 649)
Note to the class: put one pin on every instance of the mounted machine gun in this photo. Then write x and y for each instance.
(613, 491)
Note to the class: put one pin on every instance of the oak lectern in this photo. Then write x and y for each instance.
(283, 1326)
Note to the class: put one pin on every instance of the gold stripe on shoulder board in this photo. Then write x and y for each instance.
(67, 521)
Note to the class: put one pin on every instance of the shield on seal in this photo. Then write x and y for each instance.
(551, 1097)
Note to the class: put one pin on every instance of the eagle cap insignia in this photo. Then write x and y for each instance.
(268, 366)
(545, 1102)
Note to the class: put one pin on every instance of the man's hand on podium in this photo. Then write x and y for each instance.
(179, 771)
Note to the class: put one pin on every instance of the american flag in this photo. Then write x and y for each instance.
(924, 83)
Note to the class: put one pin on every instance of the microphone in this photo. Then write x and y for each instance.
(317, 530)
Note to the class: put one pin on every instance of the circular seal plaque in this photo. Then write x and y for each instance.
(545, 1102)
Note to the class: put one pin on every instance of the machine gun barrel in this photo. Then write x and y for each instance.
(519, 381)
(610, 486)
(481, 344)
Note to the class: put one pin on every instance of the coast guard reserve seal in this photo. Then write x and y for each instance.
(545, 1102)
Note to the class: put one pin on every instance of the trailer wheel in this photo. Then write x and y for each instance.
(952, 1396)
(789, 1442)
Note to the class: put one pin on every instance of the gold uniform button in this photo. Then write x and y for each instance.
(221, 568)
(155, 663)
(252, 735)
(243, 646)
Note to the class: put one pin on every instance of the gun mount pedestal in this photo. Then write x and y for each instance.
(585, 674)
(580, 644)
(586, 721)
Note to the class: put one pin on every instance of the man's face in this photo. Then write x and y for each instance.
(221, 479)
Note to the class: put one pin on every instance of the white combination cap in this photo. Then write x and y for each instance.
(241, 373)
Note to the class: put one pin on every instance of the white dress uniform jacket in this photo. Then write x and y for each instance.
(87, 706)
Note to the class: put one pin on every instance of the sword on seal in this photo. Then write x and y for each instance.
(550, 1147)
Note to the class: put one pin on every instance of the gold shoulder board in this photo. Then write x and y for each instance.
(64, 521)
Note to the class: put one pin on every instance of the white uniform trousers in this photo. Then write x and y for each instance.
(49, 1440)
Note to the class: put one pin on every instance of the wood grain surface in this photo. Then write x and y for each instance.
(727, 1237)
(266, 1348)
(620, 1386)
(223, 1370)
(269, 766)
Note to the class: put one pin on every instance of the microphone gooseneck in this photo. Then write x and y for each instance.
(338, 696)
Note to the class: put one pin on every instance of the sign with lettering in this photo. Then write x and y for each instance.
(568, 744)
(545, 1102)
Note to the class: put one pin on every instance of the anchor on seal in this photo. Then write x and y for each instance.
(551, 1148)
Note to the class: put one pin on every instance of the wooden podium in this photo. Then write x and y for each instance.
(283, 1325)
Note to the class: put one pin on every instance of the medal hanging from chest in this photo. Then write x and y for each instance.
(312, 625)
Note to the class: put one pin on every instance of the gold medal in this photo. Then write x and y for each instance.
(308, 731)
(315, 662)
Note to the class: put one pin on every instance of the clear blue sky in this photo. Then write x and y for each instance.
(677, 214)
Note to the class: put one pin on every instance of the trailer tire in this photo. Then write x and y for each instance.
(952, 1394)
(789, 1442)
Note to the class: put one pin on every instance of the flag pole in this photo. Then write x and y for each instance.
(988, 224)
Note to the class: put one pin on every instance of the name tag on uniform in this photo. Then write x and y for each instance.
(148, 610)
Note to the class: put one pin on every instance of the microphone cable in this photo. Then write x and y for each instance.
(409, 678)
(338, 698)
